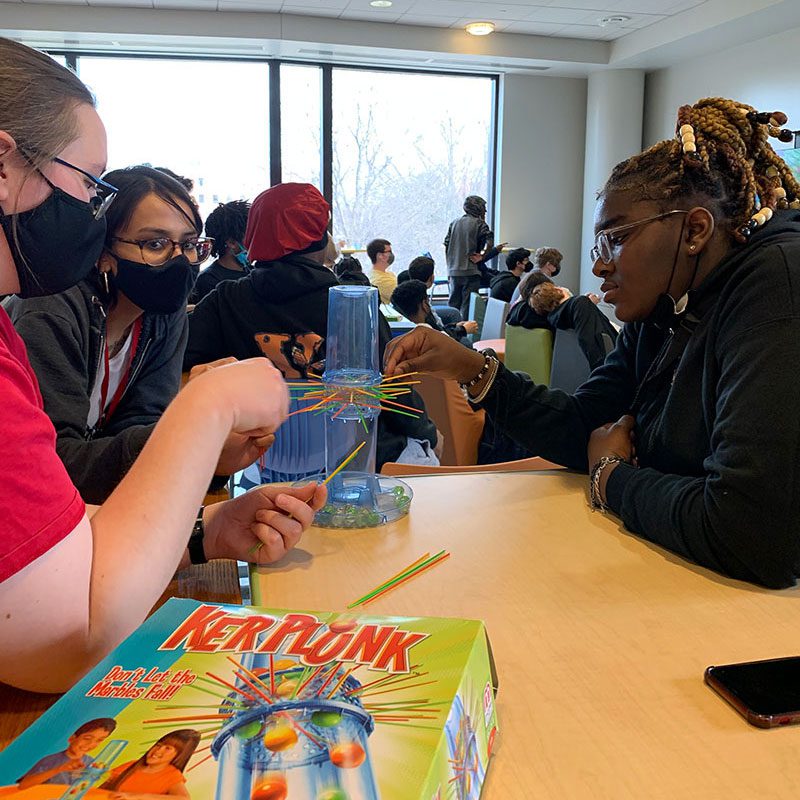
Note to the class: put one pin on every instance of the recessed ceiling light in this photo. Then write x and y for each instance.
(612, 22)
(480, 28)
(381, 3)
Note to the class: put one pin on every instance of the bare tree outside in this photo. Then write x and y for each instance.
(407, 147)
(406, 152)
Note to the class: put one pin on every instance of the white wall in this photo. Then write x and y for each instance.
(614, 111)
(540, 166)
(763, 73)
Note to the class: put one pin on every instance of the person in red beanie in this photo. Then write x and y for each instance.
(280, 310)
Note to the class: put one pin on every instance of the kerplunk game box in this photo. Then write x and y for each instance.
(221, 702)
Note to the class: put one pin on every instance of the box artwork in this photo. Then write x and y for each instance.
(236, 703)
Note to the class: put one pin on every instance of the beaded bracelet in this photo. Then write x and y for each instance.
(594, 481)
(490, 363)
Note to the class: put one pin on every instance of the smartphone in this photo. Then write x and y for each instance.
(765, 693)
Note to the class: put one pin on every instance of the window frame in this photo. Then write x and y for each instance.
(326, 141)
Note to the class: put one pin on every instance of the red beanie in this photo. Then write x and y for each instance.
(284, 219)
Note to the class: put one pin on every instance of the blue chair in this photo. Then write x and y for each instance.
(298, 452)
(494, 321)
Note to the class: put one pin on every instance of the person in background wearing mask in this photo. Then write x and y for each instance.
(504, 283)
(226, 225)
(442, 318)
(467, 239)
(381, 255)
(108, 352)
(410, 298)
(76, 580)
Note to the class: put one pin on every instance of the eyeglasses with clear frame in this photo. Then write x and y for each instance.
(156, 252)
(604, 241)
(101, 193)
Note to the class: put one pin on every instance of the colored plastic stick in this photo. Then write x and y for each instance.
(344, 463)
(408, 577)
(414, 565)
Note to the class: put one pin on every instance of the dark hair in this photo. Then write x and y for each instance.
(352, 278)
(530, 282)
(547, 255)
(517, 255)
(377, 246)
(185, 741)
(720, 158)
(347, 264)
(134, 184)
(106, 723)
(408, 297)
(403, 276)
(227, 221)
(188, 183)
(475, 206)
(421, 268)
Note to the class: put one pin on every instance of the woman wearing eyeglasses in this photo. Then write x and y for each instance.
(108, 351)
(690, 429)
(75, 580)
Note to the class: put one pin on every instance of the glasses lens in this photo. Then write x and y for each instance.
(156, 252)
(606, 249)
(197, 250)
(100, 204)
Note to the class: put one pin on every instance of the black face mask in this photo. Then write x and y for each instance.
(55, 245)
(159, 290)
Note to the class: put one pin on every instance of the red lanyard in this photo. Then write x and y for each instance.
(106, 415)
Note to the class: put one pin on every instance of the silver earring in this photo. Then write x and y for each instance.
(105, 282)
(691, 248)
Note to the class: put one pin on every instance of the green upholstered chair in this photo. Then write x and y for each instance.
(529, 351)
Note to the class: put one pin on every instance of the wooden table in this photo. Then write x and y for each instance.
(498, 345)
(217, 581)
(600, 639)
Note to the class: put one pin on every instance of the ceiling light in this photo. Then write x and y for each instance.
(480, 28)
(381, 3)
(613, 22)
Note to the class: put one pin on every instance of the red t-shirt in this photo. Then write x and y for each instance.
(39, 505)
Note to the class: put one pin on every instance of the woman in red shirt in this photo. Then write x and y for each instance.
(75, 580)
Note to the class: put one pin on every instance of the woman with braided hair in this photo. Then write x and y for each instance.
(690, 429)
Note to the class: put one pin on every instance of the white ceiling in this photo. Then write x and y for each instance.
(578, 19)
(555, 37)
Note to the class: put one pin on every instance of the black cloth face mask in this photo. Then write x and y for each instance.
(159, 290)
(55, 245)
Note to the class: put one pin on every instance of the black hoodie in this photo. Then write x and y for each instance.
(65, 338)
(716, 406)
(280, 310)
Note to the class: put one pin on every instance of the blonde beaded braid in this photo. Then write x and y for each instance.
(720, 153)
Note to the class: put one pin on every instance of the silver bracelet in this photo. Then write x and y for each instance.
(594, 481)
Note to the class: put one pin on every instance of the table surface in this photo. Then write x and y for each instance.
(217, 581)
(600, 639)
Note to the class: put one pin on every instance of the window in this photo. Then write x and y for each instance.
(407, 150)
(301, 118)
(205, 120)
